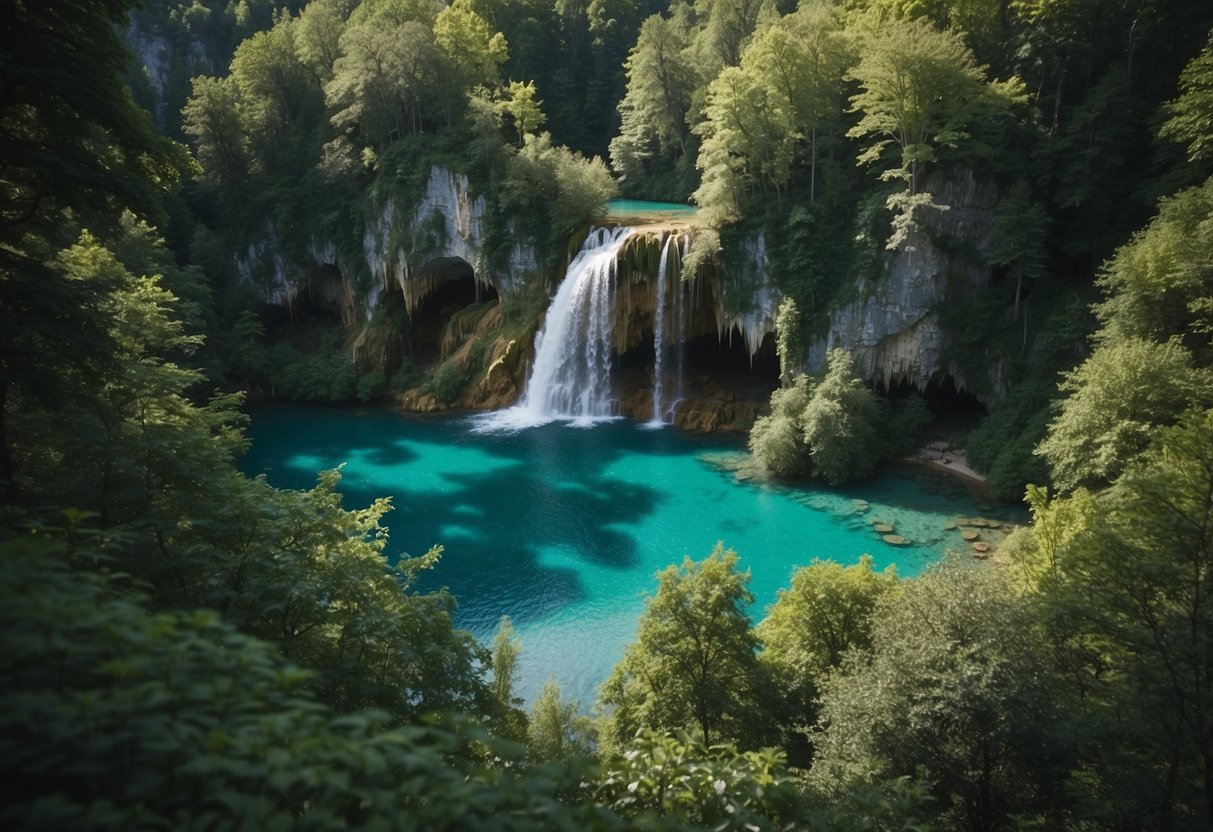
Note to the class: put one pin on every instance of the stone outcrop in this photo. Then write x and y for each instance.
(412, 252)
(893, 329)
(446, 224)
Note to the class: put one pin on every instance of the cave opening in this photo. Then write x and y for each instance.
(454, 288)
(951, 406)
(320, 299)
(728, 360)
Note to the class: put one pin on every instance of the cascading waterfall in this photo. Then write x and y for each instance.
(682, 321)
(659, 334)
(571, 376)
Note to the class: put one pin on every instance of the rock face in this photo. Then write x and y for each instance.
(446, 225)
(893, 330)
(414, 253)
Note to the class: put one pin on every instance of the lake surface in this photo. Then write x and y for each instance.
(653, 211)
(563, 528)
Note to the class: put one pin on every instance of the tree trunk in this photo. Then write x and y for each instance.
(6, 460)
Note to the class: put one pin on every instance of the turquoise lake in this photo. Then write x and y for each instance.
(630, 208)
(563, 528)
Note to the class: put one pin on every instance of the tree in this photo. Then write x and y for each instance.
(726, 26)
(470, 45)
(666, 782)
(655, 108)
(841, 423)
(693, 664)
(1189, 122)
(522, 107)
(556, 732)
(213, 120)
(278, 92)
(76, 149)
(827, 611)
(318, 37)
(385, 74)
(920, 90)
(957, 682)
(802, 57)
(777, 439)
(1116, 401)
(748, 140)
(1020, 226)
(1130, 590)
(1158, 284)
(509, 717)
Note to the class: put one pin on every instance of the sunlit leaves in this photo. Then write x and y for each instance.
(693, 665)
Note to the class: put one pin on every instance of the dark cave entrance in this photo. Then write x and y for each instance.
(953, 408)
(728, 360)
(454, 288)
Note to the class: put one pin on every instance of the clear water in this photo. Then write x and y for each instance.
(563, 529)
(633, 208)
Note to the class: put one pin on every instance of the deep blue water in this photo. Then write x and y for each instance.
(563, 529)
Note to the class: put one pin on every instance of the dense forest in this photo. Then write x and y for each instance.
(186, 646)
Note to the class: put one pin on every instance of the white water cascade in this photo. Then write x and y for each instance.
(571, 376)
(682, 323)
(659, 334)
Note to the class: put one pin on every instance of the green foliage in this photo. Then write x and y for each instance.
(806, 633)
(571, 189)
(665, 782)
(777, 440)
(957, 683)
(471, 45)
(447, 382)
(510, 720)
(1123, 576)
(1158, 285)
(556, 732)
(829, 426)
(117, 717)
(841, 423)
(654, 111)
(757, 114)
(693, 665)
(789, 338)
(921, 90)
(1002, 445)
(526, 112)
(1116, 401)
(1188, 121)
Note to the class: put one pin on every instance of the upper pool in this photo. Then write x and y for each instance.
(563, 529)
(642, 210)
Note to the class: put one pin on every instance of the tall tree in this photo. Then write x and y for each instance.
(693, 665)
(920, 90)
(212, 119)
(655, 109)
(826, 612)
(957, 683)
(74, 145)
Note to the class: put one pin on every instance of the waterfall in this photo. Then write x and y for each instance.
(659, 333)
(683, 290)
(571, 375)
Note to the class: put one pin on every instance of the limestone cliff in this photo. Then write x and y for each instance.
(447, 224)
(892, 327)
(412, 251)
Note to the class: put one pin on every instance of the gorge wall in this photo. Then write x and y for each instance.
(893, 327)
(718, 324)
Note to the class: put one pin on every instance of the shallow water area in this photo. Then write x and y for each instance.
(564, 529)
(644, 210)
